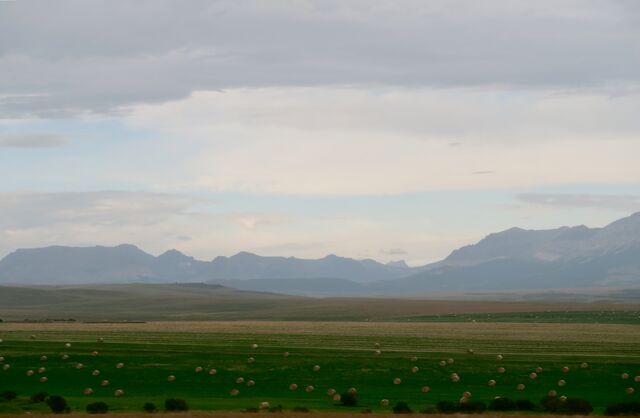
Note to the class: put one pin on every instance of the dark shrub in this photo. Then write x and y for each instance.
(300, 409)
(97, 408)
(251, 410)
(174, 404)
(446, 407)
(502, 404)
(8, 395)
(429, 410)
(570, 406)
(277, 408)
(473, 407)
(349, 399)
(39, 397)
(367, 411)
(623, 408)
(149, 407)
(57, 404)
(402, 407)
(525, 405)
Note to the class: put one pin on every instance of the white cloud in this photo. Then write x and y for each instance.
(346, 141)
(32, 140)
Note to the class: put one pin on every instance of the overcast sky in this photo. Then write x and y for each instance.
(389, 129)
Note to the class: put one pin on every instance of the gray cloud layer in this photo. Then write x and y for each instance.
(61, 58)
(626, 203)
(31, 140)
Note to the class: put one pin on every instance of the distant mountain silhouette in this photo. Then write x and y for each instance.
(567, 257)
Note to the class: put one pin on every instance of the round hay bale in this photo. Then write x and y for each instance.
(234, 392)
(624, 376)
(384, 403)
(119, 365)
(520, 386)
(95, 373)
(254, 346)
(636, 379)
(285, 354)
(213, 372)
(552, 393)
(171, 378)
(316, 368)
(499, 357)
(470, 350)
(337, 397)
(264, 405)
(565, 369)
(6, 367)
(331, 392)
(309, 389)
(94, 353)
(376, 345)
(67, 345)
(251, 360)
(442, 363)
(1, 340)
(377, 352)
(41, 370)
(450, 361)
(584, 365)
(538, 370)
(415, 369)
(104, 383)
(100, 340)
(43, 379)
(1, 359)
(65, 357)
(30, 373)
(425, 389)
(32, 336)
(563, 398)
(88, 391)
(118, 393)
(491, 383)
(466, 394)
(251, 383)
(397, 381)
(199, 369)
(414, 359)
(352, 391)
(561, 383)
(455, 378)
(240, 380)
(501, 370)
(629, 391)
(44, 358)
(533, 375)
(293, 387)
(79, 366)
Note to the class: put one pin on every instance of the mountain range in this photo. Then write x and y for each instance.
(514, 259)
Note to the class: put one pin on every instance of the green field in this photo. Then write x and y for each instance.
(344, 351)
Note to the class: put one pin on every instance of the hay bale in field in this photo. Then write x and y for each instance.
(538, 370)
(6, 367)
(41, 370)
(561, 383)
(376, 345)
(264, 405)
(533, 375)
(491, 383)
(104, 383)
(584, 365)
(254, 346)
(636, 379)
(67, 345)
(88, 391)
(337, 397)
(95, 373)
(251, 383)
(450, 360)
(251, 360)
(331, 391)
(520, 386)
(455, 378)
(425, 389)
(501, 370)
(43, 379)
(32, 336)
(629, 390)
(552, 393)
(415, 369)
(293, 387)
(442, 363)
(234, 392)
(565, 369)
(285, 354)
(352, 391)
(1, 359)
(309, 389)
(414, 359)
(466, 394)
(65, 357)
(624, 376)
(213, 372)
(563, 398)
(44, 358)
(397, 381)
(119, 365)
(377, 352)
(384, 403)
(470, 350)
(199, 369)
(171, 378)
(100, 340)
(94, 353)
(316, 368)
(118, 393)
(240, 380)
(499, 357)
(30, 373)
(79, 366)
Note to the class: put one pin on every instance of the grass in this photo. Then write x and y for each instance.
(345, 351)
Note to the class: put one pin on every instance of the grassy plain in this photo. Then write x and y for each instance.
(344, 351)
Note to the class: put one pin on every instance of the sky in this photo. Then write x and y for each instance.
(384, 129)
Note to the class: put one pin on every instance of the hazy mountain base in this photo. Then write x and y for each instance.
(209, 302)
